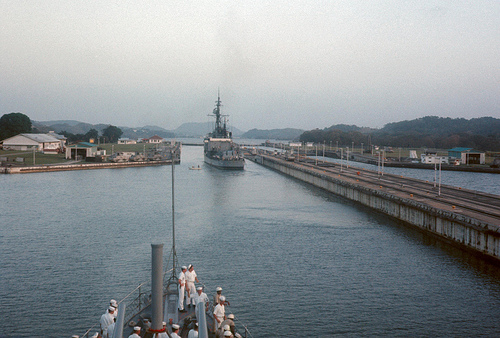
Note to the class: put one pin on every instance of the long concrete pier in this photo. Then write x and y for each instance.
(464, 218)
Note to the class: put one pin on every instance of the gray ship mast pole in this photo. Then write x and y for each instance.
(174, 254)
(217, 112)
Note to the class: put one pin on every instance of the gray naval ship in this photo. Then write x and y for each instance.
(220, 150)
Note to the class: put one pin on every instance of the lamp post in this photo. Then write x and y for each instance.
(439, 191)
(323, 151)
(378, 163)
(435, 169)
(383, 158)
(341, 158)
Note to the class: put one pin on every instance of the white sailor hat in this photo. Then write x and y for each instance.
(222, 298)
(183, 267)
(196, 324)
(189, 266)
(111, 308)
(230, 316)
(137, 328)
(163, 323)
(175, 327)
(113, 302)
(237, 335)
(218, 289)
(227, 334)
(75, 336)
(199, 288)
(226, 327)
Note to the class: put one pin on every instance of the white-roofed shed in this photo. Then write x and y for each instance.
(40, 142)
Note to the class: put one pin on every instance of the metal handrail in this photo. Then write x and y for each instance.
(138, 299)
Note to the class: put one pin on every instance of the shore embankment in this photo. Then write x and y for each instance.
(80, 166)
(467, 219)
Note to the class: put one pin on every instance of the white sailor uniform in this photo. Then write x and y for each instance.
(182, 287)
(190, 279)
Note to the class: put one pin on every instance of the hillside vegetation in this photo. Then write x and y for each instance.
(273, 134)
(428, 132)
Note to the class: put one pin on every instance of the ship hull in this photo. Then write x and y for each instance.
(226, 164)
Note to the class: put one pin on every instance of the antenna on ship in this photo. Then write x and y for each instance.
(173, 254)
(220, 129)
(172, 294)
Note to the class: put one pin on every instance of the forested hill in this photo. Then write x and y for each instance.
(273, 134)
(431, 132)
(432, 125)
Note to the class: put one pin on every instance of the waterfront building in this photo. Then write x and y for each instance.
(154, 139)
(126, 140)
(40, 142)
(83, 150)
(467, 155)
(433, 158)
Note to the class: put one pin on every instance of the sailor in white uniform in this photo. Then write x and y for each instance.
(217, 295)
(106, 320)
(219, 312)
(175, 331)
(163, 334)
(114, 304)
(191, 277)
(111, 328)
(230, 322)
(137, 332)
(193, 333)
(182, 287)
(200, 296)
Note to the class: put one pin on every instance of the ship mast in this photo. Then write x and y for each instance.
(173, 254)
(220, 128)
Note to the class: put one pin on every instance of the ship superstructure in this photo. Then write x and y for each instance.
(220, 150)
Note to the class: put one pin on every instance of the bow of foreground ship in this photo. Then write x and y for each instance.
(219, 149)
(148, 306)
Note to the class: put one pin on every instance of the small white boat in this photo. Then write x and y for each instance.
(195, 168)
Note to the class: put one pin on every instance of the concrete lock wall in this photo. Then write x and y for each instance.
(456, 229)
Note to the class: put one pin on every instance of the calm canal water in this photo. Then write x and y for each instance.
(293, 260)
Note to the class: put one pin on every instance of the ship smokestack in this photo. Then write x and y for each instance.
(157, 287)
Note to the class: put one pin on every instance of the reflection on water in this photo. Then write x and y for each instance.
(288, 256)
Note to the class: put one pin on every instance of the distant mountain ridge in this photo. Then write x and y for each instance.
(192, 129)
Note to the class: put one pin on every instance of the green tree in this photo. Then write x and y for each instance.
(112, 134)
(92, 133)
(13, 124)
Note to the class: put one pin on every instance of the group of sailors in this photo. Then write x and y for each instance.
(187, 278)
(223, 325)
(108, 320)
(193, 333)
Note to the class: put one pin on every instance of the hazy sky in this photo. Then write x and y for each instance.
(299, 64)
